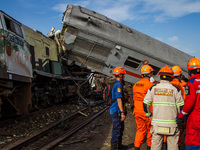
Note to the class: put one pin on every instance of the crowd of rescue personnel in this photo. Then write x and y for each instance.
(162, 110)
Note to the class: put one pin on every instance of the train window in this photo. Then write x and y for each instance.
(18, 29)
(156, 69)
(9, 24)
(14, 27)
(47, 51)
(132, 62)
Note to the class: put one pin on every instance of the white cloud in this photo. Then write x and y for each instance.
(165, 9)
(173, 39)
(118, 13)
(120, 10)
(60, 7)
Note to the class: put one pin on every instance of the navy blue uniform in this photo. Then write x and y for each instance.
(118, 125)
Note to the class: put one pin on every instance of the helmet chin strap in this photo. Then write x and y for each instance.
(146, 75)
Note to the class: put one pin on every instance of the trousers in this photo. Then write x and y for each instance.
(118, 128)
(172, 141)
(143, 124)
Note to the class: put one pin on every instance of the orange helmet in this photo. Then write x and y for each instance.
(166, 71)
(193, 63)
(177, 70)
(118, 71)
(146, 69)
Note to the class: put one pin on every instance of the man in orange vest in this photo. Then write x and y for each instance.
(177, 82)
(143, 123)
(177, 79)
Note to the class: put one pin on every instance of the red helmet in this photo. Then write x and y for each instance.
(146, 69)
(118, 71)
(166, 71)
(177, 70)
(193, 63)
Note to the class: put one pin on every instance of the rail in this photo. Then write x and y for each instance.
(50, 145)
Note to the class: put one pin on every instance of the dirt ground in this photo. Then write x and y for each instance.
(97, 135)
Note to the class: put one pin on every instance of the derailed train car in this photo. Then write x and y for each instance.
(92, 40)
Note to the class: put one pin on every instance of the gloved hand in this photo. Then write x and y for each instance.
(181, 116)
(180, 123)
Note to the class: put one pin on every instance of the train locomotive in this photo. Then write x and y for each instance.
(32, 76)
(15, 67)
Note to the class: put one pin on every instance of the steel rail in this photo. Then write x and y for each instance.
(20, 143)
(53, 143)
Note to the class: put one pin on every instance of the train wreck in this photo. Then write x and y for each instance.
(39, 71)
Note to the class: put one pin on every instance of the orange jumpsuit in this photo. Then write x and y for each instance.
(143, 123)
(177, 83)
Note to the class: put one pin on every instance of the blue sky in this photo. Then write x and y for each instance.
(175, 22)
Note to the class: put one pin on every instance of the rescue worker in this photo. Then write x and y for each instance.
(143, 123)
(117, 110)
(177, 82)
(177, 79)
(184, 81)
(167, 101)
(191, 109)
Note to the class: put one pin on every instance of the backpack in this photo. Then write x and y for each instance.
(107, 93)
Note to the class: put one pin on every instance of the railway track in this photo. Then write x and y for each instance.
(50, 145)
(54, 130)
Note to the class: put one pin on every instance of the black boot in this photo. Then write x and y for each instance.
(121, 146)
(137, 148)
(114, 146)
(148, 148)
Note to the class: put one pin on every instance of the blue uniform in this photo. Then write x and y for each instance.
(118, 125)
(116, 93)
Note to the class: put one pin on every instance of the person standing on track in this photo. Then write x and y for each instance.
(143, 123)
(117, 111)
(191, 109)
(167, 102)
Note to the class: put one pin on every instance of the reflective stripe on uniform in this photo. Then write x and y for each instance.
(169, 104)
(147, 102)
(198, 91)
(184, 113)
(148, 114)
(164, 103)
(180, 104)
(163, 121)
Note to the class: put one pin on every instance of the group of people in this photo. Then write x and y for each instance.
(161, 110)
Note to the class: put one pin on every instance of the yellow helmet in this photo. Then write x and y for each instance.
(177, 70)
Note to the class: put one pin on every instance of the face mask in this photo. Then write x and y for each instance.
(152, 79)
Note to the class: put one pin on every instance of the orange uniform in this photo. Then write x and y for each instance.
(177, 83)
(183, 83)
(143, 123)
